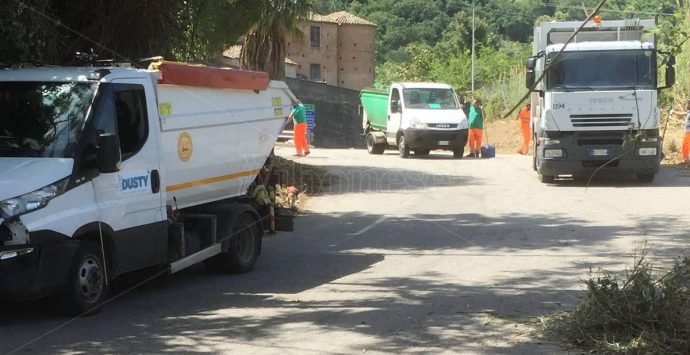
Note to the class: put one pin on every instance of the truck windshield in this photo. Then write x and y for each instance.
(42, 119)
(426, 98)
(602, 70)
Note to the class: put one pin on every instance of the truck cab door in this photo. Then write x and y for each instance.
(394, 116)
(130, 200)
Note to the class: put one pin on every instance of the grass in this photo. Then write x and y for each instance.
(645, 312)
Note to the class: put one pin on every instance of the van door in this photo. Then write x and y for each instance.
(394, 116)
(130, 200)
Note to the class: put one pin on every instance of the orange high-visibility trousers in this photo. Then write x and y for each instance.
(300, 137)
(685, 150)
(526, 137)
(475, 139)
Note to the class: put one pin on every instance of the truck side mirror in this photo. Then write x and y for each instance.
(395, 106)
(529, 79)
(108, 156)
(531, 63)
(670, 70)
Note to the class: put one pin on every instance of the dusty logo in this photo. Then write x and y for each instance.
(184, 146)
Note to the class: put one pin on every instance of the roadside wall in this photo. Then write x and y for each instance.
(338, 122)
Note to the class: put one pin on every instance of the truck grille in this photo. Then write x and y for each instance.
(601, 120)
(443, 125)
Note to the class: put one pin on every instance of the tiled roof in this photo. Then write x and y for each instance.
(233, 52)
(341, 18)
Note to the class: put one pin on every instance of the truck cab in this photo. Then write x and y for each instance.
(596, 108)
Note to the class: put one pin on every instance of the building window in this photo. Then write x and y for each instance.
(315, 72)
(315, 36)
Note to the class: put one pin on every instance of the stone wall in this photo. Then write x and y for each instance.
(338, 122)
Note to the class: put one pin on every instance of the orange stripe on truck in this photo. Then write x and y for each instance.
(211, 180)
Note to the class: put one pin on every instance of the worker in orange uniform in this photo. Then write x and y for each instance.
(476, 123)
(524, 119)
(685, 150)
(299, 119)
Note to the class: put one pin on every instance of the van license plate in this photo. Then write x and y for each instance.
(443, 142)
(599, 152)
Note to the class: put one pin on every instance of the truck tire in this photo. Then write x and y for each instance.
(645, 178)
(245, 245)
(402, 147)
(458, 152)
(372, 146)
(86, 287)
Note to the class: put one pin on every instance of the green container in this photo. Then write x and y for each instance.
(375, 104)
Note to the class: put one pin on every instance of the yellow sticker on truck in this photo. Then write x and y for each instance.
(165, 108)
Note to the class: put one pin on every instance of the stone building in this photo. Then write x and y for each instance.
(337, 49)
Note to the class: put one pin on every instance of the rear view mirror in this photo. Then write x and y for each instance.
(108, 153)
(395, 106)
(531, 63)
(670, 77)
(529, 79)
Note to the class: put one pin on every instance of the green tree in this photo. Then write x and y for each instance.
(264, 44)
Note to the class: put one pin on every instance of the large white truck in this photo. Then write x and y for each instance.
(596, 107)
(414, 117)
(104, 171)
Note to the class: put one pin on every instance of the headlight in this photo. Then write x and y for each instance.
(33, 200)
(416, 123)
(650, 139)
(647, 152)
(553, 153)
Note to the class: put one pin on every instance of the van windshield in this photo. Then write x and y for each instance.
(602, 70)
(426, 98)
(43, 119)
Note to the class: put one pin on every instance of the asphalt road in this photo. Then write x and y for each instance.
(397, 256)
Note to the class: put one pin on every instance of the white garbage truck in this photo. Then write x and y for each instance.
(596, 107)
(108, 170)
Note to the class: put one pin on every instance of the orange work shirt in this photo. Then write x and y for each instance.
(524, 115)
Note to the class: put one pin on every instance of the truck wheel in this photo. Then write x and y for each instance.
(422, 152)
(458, 152)
(373, 147)
(86, 286)
(402, 147)
(244, 247)
(646, 178)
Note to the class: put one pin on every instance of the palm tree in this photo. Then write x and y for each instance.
(264, 43)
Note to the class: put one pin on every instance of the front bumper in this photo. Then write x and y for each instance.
(38, 273)
(435, 139)
(583, 156)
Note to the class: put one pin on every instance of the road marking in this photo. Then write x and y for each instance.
(370, 227)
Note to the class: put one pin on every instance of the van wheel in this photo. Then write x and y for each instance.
(402, 147)
(373, 147)
(245, 244)
(86, 286)
(458, 152)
